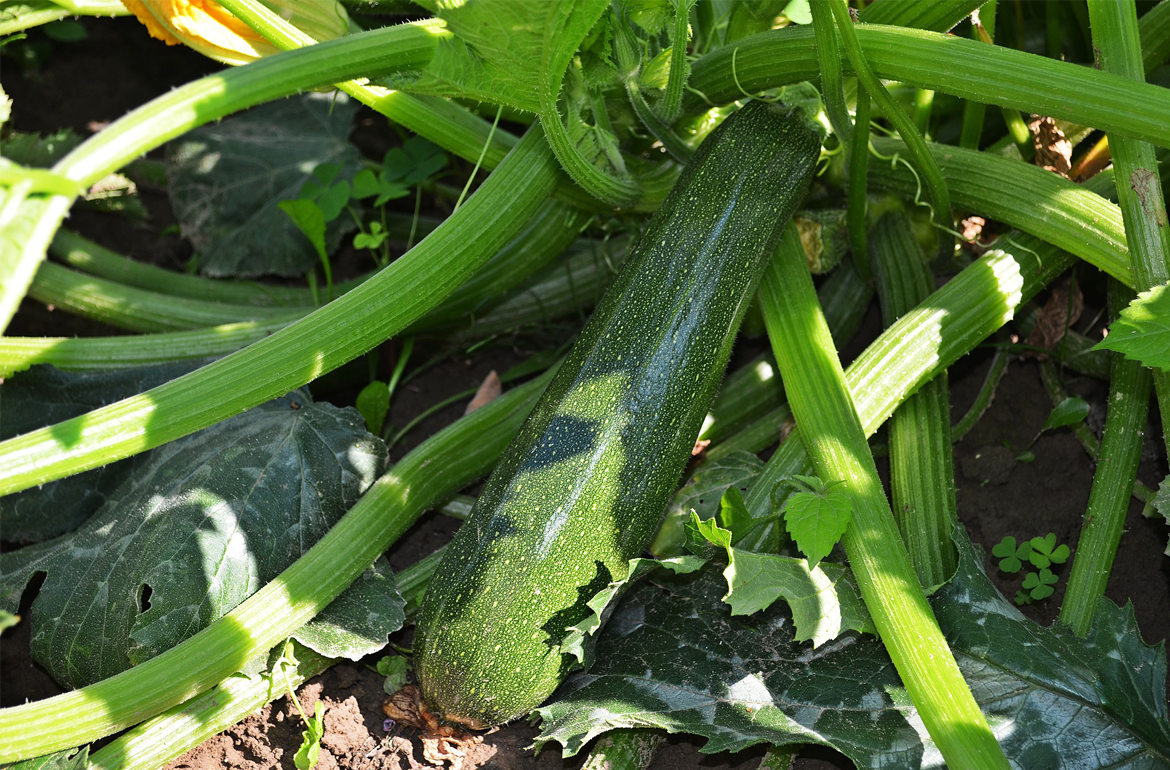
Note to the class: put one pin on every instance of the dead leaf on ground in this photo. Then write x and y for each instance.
(489, 390)
(1059, 313)
(443, 744)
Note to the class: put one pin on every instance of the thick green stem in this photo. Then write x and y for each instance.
(858, 184)
(915, 144)
(829, 62)
(945, 63)
(922, 468)
(836, 441)
(297, 354)
(1120, 452)
(437, 468)
(1139, 190)
(379, 52)
(181, 728)
(974, 111)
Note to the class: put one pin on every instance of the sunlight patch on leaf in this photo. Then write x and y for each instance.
(1142, 333)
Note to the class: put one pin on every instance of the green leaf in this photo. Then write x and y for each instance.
(371, 240)
(324, 189)
(42, 396)
(416, 161)
(393, 668)
(703, 494)
(228, 178)
(307, 755)
(69, 759)
(1142, 333)
(1068, 412)
(65, 31)
(202, 525)
(357, 622)
(1006, 551)
(798, 12)
(817, 517)
(672, 657)
(310, 220)
(8, 620)
(40, 151)
(373, 402)
(824, 600)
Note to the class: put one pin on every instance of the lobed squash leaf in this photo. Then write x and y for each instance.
(200, 526)
(227, 181)
(673, 657)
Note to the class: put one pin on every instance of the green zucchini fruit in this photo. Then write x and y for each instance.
(585, 482)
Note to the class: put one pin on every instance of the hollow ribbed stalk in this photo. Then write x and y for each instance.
(571, 287)
(925, 341)
(1070, 216)
(915, 144)
(829, 63)
(83, 254)
(922, 468)
(34, 14)
(945, 63)
(435, 469)
(181, 728)
(1121, 447)
(836, 441)
(139, 310)
(342, 330)
(974, 111)
(858, 184)
(1139, 190)
(381, 51)
(938, 16)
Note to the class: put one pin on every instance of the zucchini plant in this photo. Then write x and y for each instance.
(619, 205)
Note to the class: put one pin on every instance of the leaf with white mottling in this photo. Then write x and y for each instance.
(206, 522)
(227, 180)
(672, 657)
(357, 622)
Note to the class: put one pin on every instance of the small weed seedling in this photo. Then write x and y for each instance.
(1041, 553)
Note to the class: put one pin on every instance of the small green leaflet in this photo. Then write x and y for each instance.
(393, 668)
(310, 220)
(373, 403)
(703, 494)
(307, 755)
(1142, 333)
(817, 515)
(673, 657)
(1068, 412)
(8, 620)
(824, 600)
(1045, 552)
(1010, 555)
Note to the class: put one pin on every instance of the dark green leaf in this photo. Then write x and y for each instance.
(357, 623)
(227, 179)
(1142, 333)
(373, 403)
(65, 31)
(45, 396)
(1068, 412)
(69, 759)
(206, 522)
(703, 494)
(40, 151)
(673, 657)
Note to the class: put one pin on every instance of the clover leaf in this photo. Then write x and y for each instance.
(1010, 555)
(1039, 586)
(1045, 552)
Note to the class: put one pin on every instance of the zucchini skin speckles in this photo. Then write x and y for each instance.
(585, 482)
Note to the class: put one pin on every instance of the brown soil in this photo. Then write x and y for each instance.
(118, 68)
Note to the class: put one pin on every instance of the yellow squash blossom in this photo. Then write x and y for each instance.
(207, 27)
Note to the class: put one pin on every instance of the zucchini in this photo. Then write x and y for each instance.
(584, 484)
